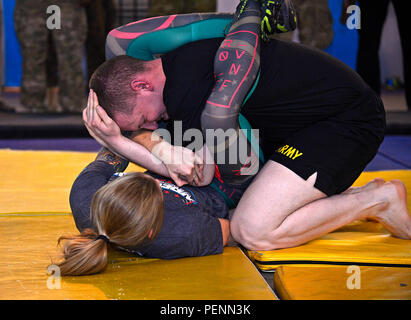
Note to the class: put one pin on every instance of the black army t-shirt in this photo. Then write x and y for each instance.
(190, 222)
(298, 86)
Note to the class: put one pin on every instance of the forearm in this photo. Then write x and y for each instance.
(146, 138)
(151, 142)
(119, 164)
(228, 240)
(209, 166)
(138, 154)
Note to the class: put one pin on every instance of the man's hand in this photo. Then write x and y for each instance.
(100, 126)
(183, 165)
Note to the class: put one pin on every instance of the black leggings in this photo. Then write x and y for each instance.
(373, 14)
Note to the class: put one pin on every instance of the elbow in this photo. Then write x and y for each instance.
(208, 177)
(225, 230)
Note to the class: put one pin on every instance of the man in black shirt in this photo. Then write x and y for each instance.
(319, 123)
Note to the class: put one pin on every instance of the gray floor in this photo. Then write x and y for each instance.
(394, 100)
(24, 123)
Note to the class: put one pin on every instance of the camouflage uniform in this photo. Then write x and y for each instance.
(101, 17)
(30, 23)
(2, 105)
(315, 23)
(1, 48)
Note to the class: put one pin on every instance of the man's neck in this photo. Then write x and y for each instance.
(155, 73)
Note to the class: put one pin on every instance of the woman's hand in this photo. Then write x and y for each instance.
(183, 165)
(100, 126)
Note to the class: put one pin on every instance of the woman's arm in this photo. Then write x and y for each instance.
(138, 154)
(154, 160)
(236, 66)
(225, 229)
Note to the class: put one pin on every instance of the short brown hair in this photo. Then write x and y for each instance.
(111, 82)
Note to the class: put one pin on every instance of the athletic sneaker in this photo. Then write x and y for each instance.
(278, 16)
(251, 4)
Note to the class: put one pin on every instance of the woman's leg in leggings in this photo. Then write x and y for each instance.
(119, 39)
(236, 66)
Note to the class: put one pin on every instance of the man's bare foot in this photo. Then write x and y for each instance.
(394, 216)
(377, 182)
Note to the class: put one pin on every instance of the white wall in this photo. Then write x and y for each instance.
(226, 5)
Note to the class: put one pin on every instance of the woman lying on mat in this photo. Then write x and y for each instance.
(142, 213)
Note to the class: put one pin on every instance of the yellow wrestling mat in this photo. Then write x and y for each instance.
(40, 181)
(342, 283)
(361, 243)
(359, 261)
(34, 212)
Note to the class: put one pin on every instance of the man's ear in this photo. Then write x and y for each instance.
(138, 85)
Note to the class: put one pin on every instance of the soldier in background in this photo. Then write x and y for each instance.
(1, 48)
(51, 76)
(3, 106)
(101, 19)
(314, 22)
(30, 18)
(373, 15)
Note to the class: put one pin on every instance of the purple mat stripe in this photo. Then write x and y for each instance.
(69, 144)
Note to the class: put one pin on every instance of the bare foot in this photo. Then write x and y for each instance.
(394, 216)
(377, 182)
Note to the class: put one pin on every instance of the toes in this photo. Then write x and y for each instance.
(401, 189)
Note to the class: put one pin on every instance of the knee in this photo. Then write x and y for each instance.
(251, 237)
(261, 236)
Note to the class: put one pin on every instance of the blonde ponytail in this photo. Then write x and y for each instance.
(83, 254)
(127, 212)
